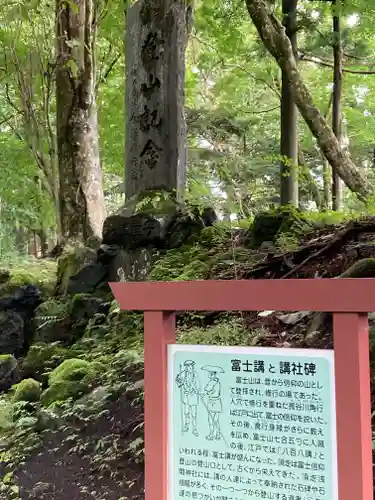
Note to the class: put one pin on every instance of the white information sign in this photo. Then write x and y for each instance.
(251, 423)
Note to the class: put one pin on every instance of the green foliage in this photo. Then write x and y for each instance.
(268, 226)
(6, 359)
(43, 358)
(286, 243)
(30, 272)
(182, 264)
(227, 331)
(62, 391)
(27, 390)
(5, 414)
(70, 370)
(217, 235)
(71, 379)
(53, 307)
(9, 488)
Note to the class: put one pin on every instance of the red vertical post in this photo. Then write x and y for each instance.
(353, 406)
(159, 331)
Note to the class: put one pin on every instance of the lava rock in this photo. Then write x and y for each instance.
(87, 279)
(70, 264)
(83, 308)
(8, 371)
(132, 232)
(133, 265)
(11, 333)
(182, 230)
(16, 322)
(24, 301)
(106, 253)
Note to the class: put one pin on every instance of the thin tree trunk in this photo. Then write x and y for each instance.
(327, 198)
(278, 44)
(312, 186)
(81, 195)
(289, 118)
(336, 100)
(43, 239)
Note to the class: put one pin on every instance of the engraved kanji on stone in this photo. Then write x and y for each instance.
(151, 47)
(153, 85)
(150, 155)
(149, 119)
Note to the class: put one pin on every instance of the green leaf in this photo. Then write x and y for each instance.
(72, 5)
(8, 478)
(72, 65)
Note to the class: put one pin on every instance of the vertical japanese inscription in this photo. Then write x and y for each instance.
(150, 117)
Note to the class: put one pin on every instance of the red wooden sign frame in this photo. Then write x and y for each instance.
(348, 299)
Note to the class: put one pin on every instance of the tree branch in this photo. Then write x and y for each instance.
(320, 62)
(278, 44)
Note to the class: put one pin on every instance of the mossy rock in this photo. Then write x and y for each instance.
(4, 276)
(96, 327)
(71, 379)
(73, 260)
(56, 307)
(70, 370)
(42, 274)
(62, 391)
(82, 309)
(42, 358)
(267, 226)
(84, 306)
(27, 390)
(75, 369)
(8, 368)
(52, 322)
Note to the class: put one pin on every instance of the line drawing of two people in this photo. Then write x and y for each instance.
(188, 382)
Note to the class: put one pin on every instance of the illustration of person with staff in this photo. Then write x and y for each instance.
(214, 404)
(188, 382)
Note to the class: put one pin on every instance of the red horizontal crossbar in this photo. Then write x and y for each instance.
(331, 295)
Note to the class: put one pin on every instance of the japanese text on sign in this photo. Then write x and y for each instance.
(251, 423)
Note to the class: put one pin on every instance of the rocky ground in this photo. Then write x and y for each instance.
(71, 410)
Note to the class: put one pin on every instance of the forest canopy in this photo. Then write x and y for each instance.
(235, 78)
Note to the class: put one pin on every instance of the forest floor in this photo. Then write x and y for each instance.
(96, 452)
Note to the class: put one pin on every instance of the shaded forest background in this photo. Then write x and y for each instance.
(280, 173)
(237, 137)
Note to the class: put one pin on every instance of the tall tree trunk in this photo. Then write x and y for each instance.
(336, 99)
(81, 194)
(326, 185)
(309, 179)
(289, 118)
(278, 44)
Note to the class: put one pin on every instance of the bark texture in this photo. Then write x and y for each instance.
(278, 44)
(289, 118)
(156, 40)
(336, 102)
(81, 194)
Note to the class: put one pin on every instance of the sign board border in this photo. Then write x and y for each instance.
(261, 351)
(349, 300)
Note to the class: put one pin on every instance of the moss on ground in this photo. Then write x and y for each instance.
(30, 272)
(27, 390)
(71, 379)
(43, 358)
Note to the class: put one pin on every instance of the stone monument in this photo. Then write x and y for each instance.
(156, 40)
